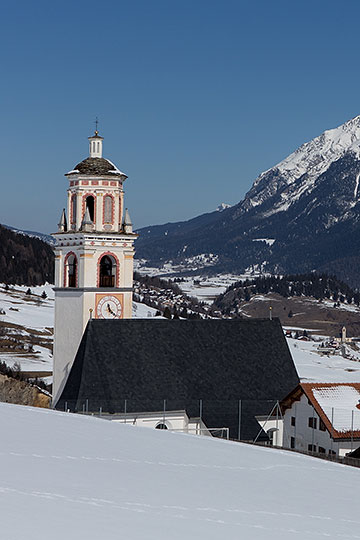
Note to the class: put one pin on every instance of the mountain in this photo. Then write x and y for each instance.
(33, 234)
(24, 260)
(303, 214)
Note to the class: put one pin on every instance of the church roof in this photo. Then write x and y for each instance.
(218, 361)
(96, 166)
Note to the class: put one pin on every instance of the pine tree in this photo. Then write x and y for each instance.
(167, 313)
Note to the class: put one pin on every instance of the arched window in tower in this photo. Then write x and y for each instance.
(107, 271)
(73, 208)
(108, 209)
(90, 203)
(70, 270)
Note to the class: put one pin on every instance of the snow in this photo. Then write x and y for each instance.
(268, 241)
(312, 367)
(315, 156)
(142, 311)
(116, 171)
(301, 169)
(222, 207)
(73, 476)
(339, 403)
(33, 312)
(356, 185)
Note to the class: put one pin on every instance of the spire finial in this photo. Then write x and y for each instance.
(96, 126)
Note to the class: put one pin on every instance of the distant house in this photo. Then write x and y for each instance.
(317, 417)
(184, 374)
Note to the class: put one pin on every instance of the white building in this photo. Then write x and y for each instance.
(93, 256)
(317, 417)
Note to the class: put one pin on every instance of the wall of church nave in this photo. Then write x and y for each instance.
(69, 327)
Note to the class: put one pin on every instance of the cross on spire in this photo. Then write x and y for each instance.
(96, 126)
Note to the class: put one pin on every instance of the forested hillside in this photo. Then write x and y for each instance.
(318, 286)
(24, 260)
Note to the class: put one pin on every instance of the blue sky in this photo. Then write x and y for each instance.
(194, 98)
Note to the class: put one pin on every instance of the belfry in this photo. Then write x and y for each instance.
(93, 256)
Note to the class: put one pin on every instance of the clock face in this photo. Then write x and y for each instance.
(109, 307)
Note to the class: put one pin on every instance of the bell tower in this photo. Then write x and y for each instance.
(93, 256)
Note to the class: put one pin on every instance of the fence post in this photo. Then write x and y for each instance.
(87, 406)
(239, 425)
(100, 411)
(125, 406)
(332, 428)
(352, 429)
(164, 411)
(200, 413)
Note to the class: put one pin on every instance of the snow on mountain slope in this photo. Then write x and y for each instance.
(307, 163)
(70, 476)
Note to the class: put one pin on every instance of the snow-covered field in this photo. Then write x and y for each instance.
(68, 476)
(312, 367)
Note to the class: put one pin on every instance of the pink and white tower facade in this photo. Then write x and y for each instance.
(93, 256)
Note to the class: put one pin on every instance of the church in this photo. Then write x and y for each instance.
(216, 373)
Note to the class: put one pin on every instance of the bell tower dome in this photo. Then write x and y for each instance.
(93, 256)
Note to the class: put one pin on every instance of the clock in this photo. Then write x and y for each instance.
(109, 307)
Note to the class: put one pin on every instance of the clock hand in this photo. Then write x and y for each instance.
(110, 310)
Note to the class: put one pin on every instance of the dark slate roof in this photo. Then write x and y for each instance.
(96, 167)
(218, 361)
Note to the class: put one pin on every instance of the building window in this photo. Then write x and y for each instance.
(161, 426)
(332, 453)
(322, 450)
(108, 209)
(322, 426)
(90, 204)
(73, 209)
(311, 448)
(312, 422)
(292, 442)
(71, 270)
(107, 271)
(98, 146)
(293, 420)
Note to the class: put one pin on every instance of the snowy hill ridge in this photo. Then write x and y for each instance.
(304, 166)
(87, 478)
